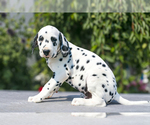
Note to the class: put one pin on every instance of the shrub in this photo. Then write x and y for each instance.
(13, 55)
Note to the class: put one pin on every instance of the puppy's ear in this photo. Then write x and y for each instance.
(64, 46)
(34, 44)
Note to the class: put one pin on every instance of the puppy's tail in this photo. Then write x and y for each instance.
(123, 101)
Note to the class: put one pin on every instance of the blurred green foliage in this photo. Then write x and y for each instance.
(123, 38)
(14, 73)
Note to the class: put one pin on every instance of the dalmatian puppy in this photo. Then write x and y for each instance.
(80, 68)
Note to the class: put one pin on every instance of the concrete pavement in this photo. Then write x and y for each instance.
(15, 110)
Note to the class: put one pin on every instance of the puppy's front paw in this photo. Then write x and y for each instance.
(34, 99)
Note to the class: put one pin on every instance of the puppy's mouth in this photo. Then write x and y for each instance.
(46, 56)
(50, 56)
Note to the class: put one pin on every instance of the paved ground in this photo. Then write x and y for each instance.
(15, 110)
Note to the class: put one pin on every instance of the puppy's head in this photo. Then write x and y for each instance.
(50, 41)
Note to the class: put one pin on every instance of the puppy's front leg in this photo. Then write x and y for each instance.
(49, 88)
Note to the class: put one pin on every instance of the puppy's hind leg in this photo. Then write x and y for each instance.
(94, 101)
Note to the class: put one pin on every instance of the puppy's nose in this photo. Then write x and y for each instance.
(46, 52)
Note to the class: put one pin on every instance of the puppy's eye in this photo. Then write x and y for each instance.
(41, 38)
(53, 39)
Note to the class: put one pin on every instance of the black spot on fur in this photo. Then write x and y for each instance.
(77, 61)
(82, 88)
(81, 77)
(82, 50)
(82, 68)
(110, 93)
(54, 44)
(86, 88)
(109, 101)
(79, 84)
(45, 31)
(70, 53)
(66, 68)
(47, 88)
(72, 66)
(103, 85)
(65, 48)
(60, 59)
(69, 60)
(87, 61)
(83, 53)
(65, 65)
(104, 74)
(44, 46)
(53, 75)
(77, 67)
(99, 63)
(40, 98)
(41, 38)
(48, 83)
(53, 39)
(54, 55)
(93, 56)
(94, 75)
(104, 65)
(46, 41)
(78, 48)
(105, 90)
(40, 44)
(65, 39)
(76, 88)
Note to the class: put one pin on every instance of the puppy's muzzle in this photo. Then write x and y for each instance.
(46, 52)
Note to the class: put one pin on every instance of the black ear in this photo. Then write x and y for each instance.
(35, 44)
(64, 46)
